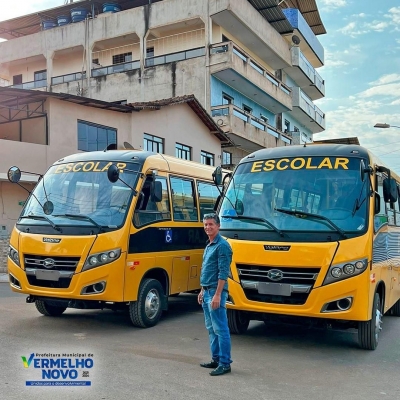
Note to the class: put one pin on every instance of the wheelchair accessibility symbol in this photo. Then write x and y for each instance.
(168, 236)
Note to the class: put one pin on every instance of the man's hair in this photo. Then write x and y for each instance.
(213, 216)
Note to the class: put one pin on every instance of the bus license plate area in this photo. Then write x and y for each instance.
(279, 289)
(47, 275)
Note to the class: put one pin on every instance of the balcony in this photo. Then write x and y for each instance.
(241, 19)
(305, 75)
(309, 44)
(247, 131)
(306, 112)
(4, 82)
(231, 65)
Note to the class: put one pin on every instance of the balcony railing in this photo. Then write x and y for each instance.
(237, 51)
(116, 68)
(230, 109)
(4, 82)
(56, 80)
(31, 85)
(178, 56)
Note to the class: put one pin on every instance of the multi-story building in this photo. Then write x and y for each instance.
(251, 64)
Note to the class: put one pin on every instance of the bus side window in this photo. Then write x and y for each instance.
(208, 194)
(183, 199)
(148, 211)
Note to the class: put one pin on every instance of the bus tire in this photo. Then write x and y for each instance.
(395, 310)
(368, 331)
(49, 310)
(147, 310)
(238, 321)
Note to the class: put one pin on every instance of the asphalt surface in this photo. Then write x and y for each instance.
(271, 362)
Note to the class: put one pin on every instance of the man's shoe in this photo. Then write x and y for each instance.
(211, 364)
(220, 370)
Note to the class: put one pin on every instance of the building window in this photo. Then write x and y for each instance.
(182, 151)
(93, 137)
(287, 126)
(17, 79)
(226, 158)
(226, 99)
(247, 109)
(40, 75)
(206, 158)
(95, 61)
(264, 118)
(153, 143)
(122, 58)
(296, 129)
(225, 39)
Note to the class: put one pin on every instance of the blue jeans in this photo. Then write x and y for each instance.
(216, 322)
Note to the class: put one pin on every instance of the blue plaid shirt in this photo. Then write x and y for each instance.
(217, 260)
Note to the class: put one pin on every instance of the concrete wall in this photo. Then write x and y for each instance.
(177, 123)
(3, 253)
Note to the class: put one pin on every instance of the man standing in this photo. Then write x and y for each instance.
(213, 295)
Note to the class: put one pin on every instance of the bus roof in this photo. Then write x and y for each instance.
(156, 160)
(318, 150)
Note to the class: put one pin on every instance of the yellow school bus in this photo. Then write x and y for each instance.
(112, 229)
(315, 232)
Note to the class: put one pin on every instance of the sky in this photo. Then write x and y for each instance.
(361, 71)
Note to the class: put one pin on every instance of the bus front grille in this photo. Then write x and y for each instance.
(296, 282)
(51, 263)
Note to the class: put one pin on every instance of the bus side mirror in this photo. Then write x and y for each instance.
(389, 190)
(377, 204)
(156, 192)
(217, 176)
(14, 174)
(113, 173)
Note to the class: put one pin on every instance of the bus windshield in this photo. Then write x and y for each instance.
(297, 194)
(80, 194)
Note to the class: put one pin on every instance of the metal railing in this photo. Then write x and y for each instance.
(116, 68)
(31, 85)
(230, 109)
(225, 47)
(178, 56)
(56, 80)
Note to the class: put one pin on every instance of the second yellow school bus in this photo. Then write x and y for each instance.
(315, 232)
(112, 229)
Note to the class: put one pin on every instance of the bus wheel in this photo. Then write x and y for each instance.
(146, 311)
(48, 309)
(238, 321)
(395, 310)
(368, 331)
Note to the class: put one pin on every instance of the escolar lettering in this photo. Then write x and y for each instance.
(300, 163)
(89, 166)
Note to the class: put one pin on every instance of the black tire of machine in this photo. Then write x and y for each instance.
(368, 331)
(147, 310)
(49, 310)
(238, 321)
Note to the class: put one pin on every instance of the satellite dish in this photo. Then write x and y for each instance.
(128, 146)
(296, 40)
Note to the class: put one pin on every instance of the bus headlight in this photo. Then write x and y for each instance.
(98, 259)
(338, 272)
(13, 254)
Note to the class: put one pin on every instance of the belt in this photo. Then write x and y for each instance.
(208, 287)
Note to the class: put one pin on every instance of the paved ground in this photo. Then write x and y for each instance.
(161, 363)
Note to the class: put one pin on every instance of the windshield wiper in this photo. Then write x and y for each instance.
(316, 216)
(83, 218)
(42, 218)
(256, 219)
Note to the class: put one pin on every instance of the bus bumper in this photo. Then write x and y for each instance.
(82, 286)
(322, 302)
